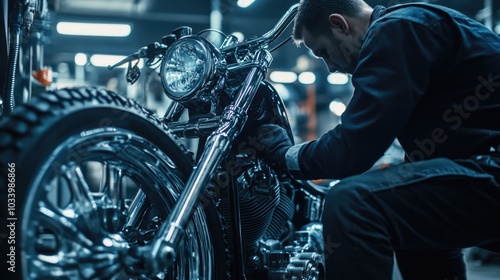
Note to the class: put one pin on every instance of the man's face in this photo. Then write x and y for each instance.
(333, 48)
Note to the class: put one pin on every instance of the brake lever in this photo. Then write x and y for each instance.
(149, 51)
(129, 58)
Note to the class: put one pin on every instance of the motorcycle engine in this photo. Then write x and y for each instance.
(273, 249)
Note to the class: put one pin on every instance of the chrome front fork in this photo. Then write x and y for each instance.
(162, 252)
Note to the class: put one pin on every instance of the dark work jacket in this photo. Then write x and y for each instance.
(428, 76)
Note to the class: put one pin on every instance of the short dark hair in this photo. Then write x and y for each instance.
(313, 14)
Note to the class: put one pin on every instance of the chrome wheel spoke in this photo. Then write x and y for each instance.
(55, 268)
(111, 183)
(85, 219)
(83, 200)
(81, 191)
(54, 220)
(112, 200)
(137, 209)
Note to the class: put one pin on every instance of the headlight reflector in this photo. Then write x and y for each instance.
(185, 68)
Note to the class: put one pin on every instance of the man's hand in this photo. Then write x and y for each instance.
(273, 143)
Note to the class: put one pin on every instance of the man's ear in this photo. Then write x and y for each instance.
(338, 23)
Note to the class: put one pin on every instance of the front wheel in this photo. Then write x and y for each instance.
(90, 175)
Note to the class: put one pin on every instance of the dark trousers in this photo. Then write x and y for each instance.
(424, 212)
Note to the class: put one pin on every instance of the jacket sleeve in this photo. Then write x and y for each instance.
(396, 61)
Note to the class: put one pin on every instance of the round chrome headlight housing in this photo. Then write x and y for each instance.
(188, 68)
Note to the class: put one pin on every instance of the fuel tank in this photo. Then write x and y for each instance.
(267, 107)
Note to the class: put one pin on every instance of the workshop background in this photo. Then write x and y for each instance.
(315, 98)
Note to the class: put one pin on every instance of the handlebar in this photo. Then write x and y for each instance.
(131, 57)
(265, 40)
(269, 37)
(280, 27)
(149, 51)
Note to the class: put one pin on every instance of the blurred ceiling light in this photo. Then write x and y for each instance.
(285, 77)
(80, 59)
(93, 29)
(245, 3)
(307, 78)
(303, 63)
(282, 91)
(239, 35)
(337, 107)
(338, 78)
(104, 60)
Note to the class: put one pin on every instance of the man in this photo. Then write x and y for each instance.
(429, 77)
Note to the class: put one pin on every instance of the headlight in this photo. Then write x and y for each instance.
(188, 67)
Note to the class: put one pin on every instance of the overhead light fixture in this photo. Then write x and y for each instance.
(93, 29)
(239, 35)
(80, 59)
(285, 77)
(282, 91)
(338, 78)
(307, 78)
(104, 60)
(337, 107)
(245, 3)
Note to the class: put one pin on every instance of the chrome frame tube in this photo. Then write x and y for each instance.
(173, 111)
(198, 128)
(171, 232)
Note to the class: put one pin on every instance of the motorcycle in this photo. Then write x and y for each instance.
(98, 187)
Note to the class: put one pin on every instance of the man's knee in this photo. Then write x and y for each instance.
(344, 194)
(342, 203)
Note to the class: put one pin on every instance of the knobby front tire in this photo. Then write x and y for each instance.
(90, 174)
